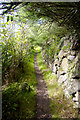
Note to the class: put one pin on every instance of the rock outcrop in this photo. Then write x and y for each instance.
(67, 68)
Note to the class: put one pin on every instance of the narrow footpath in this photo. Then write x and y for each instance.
(42, 98)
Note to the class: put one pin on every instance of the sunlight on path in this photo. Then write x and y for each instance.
(43, 101)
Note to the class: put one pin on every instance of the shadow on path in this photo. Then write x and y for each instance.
(42, 98)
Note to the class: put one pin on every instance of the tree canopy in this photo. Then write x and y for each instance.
(65, 13)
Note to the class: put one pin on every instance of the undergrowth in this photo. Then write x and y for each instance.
(61, 107)
(19, 104)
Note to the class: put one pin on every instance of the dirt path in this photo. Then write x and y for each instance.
(43, 102)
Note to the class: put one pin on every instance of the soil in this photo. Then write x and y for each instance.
(42, 98)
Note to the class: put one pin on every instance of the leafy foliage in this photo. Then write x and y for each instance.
(16, 49)
(48, 37)
(66, 13)
(17, 102)
(18, 68)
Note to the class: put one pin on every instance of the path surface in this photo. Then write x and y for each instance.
(43, 102)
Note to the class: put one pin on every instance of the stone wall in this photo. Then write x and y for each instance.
(67, 68)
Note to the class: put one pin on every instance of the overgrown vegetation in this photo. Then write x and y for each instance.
(61, 107)
(19, 79)
(30, 25)
(18, 99)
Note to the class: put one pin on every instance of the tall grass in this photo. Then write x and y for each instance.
(17, 103)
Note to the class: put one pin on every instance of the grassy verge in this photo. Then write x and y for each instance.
(61, 107)
(19, 98)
